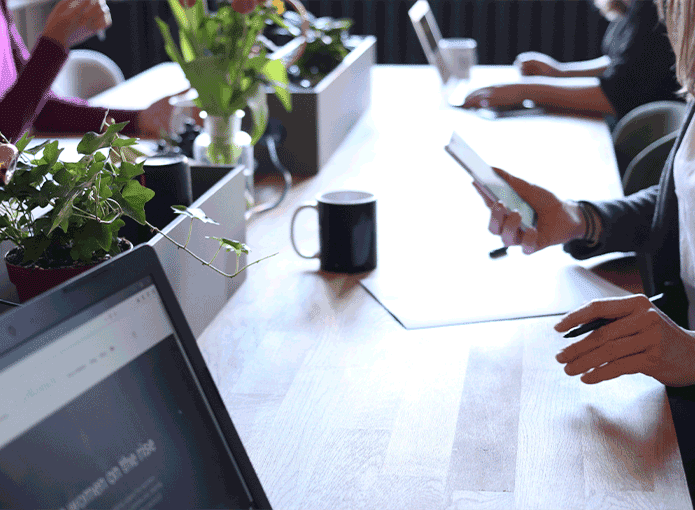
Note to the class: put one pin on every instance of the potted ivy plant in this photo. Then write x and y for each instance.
(64, 217)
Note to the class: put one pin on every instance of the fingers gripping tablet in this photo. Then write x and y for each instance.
(486, 177)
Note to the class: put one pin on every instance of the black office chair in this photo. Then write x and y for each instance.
(645, 168)
(643, 126)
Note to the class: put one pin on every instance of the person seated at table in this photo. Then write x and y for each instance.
(636, 68)
(26, 100)
(659, 220)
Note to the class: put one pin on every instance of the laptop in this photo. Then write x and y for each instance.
(455, 89)
(106, 401)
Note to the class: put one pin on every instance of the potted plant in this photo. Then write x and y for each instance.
(224, 62)
(326, 47)
(64, 217)
(330, 87)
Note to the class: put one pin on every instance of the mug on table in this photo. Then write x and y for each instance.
(347, 231)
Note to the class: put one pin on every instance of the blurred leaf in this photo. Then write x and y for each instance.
(258, 104)
(231, 245)
(24, 141)
(169, 44)
(275, 72)
(193, 212)
(92, 142)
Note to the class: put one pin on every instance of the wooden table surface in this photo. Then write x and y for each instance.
(339, 406)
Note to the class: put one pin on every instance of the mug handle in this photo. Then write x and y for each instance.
(308, 205)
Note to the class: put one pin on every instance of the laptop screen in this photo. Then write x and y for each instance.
(429, 36)
(105, 411)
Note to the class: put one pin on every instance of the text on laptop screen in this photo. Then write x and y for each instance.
(107, 413)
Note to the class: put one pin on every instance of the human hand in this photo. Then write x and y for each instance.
(643, 339)
(74, 21)
(154, 122)
(557, 221)
(497, 95)
(245, 6)
(533, 63)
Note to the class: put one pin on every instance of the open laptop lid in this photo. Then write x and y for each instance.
(429, 35)
(107, 402)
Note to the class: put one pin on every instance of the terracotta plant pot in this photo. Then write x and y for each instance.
(32, 281)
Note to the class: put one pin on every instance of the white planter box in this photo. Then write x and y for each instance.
(202, 292)
(322, 116)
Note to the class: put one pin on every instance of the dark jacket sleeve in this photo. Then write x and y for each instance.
(642, 61)
(626, 225)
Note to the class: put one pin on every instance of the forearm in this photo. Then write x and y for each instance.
(22, 102)
(68, 116)
(585, 68)
(581, 98)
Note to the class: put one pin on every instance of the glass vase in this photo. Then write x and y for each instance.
(216, 144)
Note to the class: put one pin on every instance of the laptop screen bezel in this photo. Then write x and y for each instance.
(423, 20)
(46, 311)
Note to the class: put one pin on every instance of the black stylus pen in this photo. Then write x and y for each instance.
(499, 252)
(597, 323)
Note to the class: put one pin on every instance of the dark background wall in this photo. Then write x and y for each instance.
(564, 29)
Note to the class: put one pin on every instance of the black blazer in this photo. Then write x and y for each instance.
(646, 222)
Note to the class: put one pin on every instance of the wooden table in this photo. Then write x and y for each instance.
(339, 406)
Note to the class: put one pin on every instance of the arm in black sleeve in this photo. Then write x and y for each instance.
(642, 61)
(626, 225)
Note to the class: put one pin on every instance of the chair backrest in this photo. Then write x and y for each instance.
(643, 126)
(86, 73)
(645, 169)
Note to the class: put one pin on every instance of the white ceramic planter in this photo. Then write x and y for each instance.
(202, 292)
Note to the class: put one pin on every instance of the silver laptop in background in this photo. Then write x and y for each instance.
(455, 89)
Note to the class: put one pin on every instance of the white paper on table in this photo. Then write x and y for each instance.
(478, 288)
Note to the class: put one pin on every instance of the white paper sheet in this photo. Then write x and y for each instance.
(478, 288)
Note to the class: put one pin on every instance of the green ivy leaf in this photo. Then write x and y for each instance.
(22, 143)
(34, 247)
(51, 153)
(95, 235)
(194, 213)
(127, 170)
(63, 211)
(132, 199)
(92, 142)
(231, 245)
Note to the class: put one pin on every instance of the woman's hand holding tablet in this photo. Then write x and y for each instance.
(521, 213)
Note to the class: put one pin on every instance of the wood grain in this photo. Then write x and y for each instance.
(341, 407)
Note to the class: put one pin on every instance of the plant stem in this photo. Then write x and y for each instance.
(209, 264)
(217, 253)
(190, 229)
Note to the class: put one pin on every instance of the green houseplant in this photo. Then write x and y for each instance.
(64, 217)
(327, 46)
(222, 59)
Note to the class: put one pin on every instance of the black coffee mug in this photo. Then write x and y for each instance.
(347, 231)
(169, 176)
